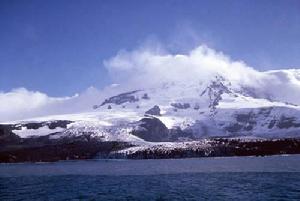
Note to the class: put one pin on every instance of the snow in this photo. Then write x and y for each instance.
(42, 131)
(166, 146)
(249, 102)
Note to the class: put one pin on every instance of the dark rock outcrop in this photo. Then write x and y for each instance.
(122, 98)
(145, 96)
(153, 111)
(177, 134)
(61, 124)
(215, 90)
(181, 105)
(244, 122)
(7, 136)
(196, 107)
(151, 129)
(287, 122)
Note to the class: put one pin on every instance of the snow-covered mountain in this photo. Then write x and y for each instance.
(172, 116)
(181, 112)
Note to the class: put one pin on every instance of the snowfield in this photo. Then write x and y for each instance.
(24, 132)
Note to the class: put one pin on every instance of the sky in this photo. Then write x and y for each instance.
(61, 52)
(58, 47)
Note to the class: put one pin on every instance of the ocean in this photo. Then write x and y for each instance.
(223, 178)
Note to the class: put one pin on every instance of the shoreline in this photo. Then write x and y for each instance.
(95, 150)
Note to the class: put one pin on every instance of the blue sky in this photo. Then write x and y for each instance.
(58, 47)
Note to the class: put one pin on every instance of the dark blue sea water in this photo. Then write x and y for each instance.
(234, 178)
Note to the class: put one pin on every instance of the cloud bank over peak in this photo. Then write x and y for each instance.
(146, 68)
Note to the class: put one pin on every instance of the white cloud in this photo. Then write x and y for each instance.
(21, 103)
(146, 68)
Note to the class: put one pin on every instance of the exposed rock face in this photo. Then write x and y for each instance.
(215, 91)
(177, 134)
(287, 122)
(145, 96)
(6, 136)
(122, 98)
(151, 129)
(244, 122)
(153, 111)
(181, 105)
(196, 107)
